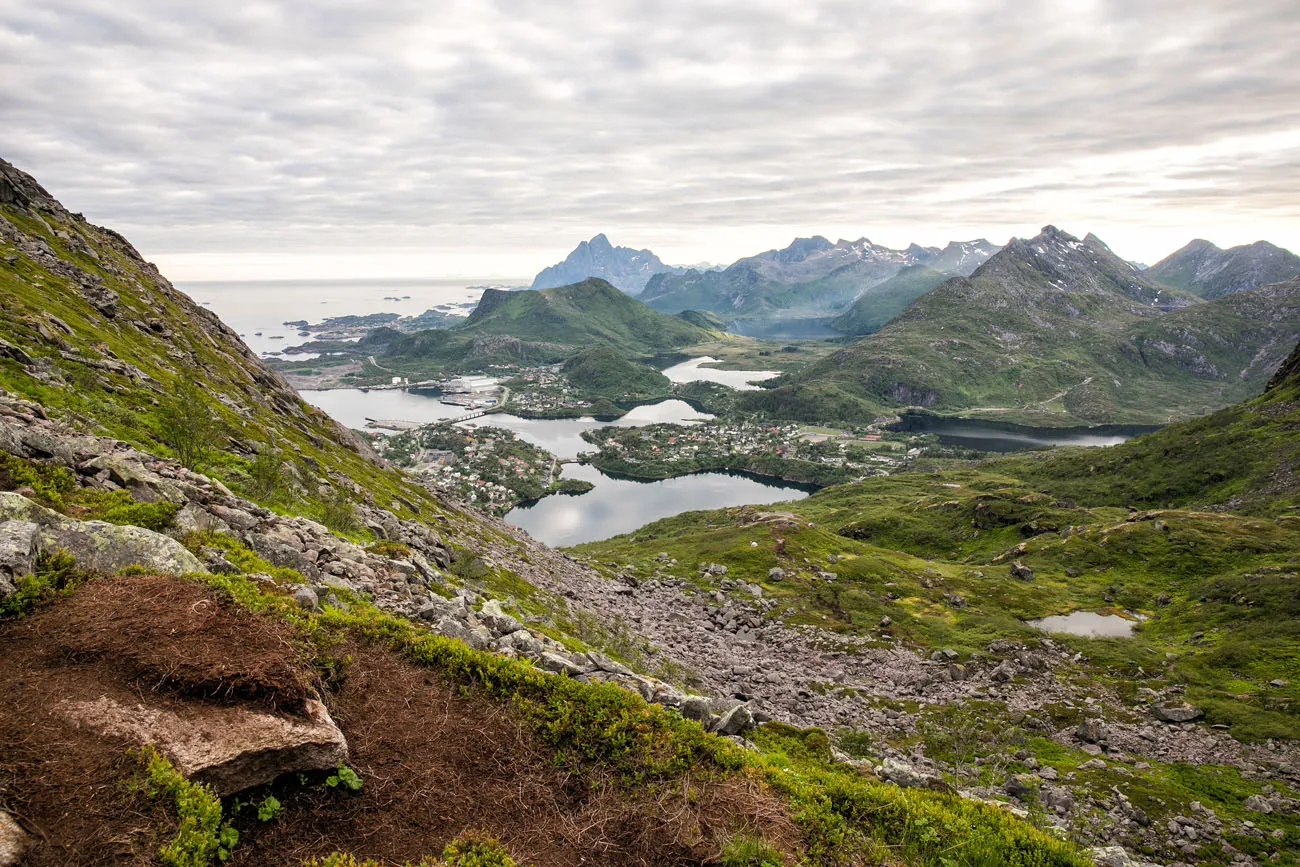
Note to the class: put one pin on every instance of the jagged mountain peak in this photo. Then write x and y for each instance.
(624, 267)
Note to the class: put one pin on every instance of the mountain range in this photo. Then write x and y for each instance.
(1210, 272)
(810, 277)
(1052, 330)
(622, 267)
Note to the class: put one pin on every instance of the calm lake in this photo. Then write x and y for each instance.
(695, 371)
(617, 505)
(563, 437)
(992, 436)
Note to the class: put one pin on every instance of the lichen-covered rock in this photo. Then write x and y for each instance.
(18, 549)
(103, 547)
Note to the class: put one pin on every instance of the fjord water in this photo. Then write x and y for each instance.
(353, 406)
(563, 437)
(617, 505)
(265, 305)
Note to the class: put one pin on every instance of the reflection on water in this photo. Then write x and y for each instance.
(1089, 624)
(563, 437)
(994, 437)
(352, 406)
(617, 506)
(692, 371)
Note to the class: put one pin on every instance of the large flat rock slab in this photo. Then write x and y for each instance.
(231, 748)
(12, 841)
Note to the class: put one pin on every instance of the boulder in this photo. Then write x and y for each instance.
(735, 721)
(559, 664)
(1058, 799)
(231, 748)
(1177, 713)
(522, 642)
(1091, 731)
(306, 597)
(776, 573)
(476, 637)
(16, 507)
(495, 619)
(1258, 804)
(18, 548)
(696, 707)
(1018, 787)
(1021, 571)
(900, 773)
(1111, 856)
(103, 547)
(12, 841)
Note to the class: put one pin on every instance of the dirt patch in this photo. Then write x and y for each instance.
(162, 633)
(437, 762)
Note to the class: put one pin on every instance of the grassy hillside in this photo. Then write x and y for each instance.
(1053, 331)
(602, 372)
(535, 327)
(879, 304)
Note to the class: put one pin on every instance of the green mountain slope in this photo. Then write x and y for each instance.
(536, 327)
(602, 372)
(1210, 272)
(1052, 330)
(881, 303)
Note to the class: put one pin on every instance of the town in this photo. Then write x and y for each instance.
(490, 468)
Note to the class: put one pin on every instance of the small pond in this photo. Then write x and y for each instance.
(1088, 624)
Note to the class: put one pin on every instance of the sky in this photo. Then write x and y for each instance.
(296, 139)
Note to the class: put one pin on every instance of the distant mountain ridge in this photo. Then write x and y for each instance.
(1211, 272)
(1054, 330)
(623, 267)
(810, 277)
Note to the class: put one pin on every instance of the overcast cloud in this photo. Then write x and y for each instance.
(416, 138)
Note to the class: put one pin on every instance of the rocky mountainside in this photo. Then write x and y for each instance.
(622, 267)
(1053, 330)
(812, 276)
(1210, 272)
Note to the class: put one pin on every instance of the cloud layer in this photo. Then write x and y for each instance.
(495, 135)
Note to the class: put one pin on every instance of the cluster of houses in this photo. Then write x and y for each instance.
(544, 389)
(670, 443)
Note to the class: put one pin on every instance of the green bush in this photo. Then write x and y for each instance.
(201, 835)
